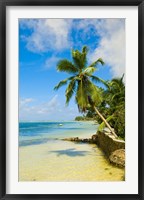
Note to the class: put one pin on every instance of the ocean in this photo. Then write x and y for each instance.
(32, 133)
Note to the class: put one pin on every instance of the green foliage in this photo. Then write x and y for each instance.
(102, 125)
(63, 82)
(81, 83)
(70, 90)
(80, 58)
(90, 114)
(113, 105)
(81, 96)
(110, 102)
(99, 80)
(94, 64)
(66, 66)
(79, 118)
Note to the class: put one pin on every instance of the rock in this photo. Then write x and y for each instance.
(77, 139)
(118, 157)
(85, 140)
(94, 137)
(74, 139)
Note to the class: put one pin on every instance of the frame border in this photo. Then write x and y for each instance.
(3, 5)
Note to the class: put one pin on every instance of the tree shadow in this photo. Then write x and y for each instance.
(70, 152)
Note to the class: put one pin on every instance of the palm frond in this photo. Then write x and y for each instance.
(84, 55)
(70, 90)
(120, 106)
(119, 96)
(81, 97)
(63, 82)
(76, 58)
(66, 66)
(89, 71)
(122, 77)
(117, 82)
(99, 80)
(85, 50)
(94, 64)
(102, 125)
(100, 60)
(93, 92)
(79, 58)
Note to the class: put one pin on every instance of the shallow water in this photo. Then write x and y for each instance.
(31, 133)
(57, 160)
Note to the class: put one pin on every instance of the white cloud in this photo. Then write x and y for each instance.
(45, 107)
(55, 34)
(60, 28)
(112, 45)
(50, 110)
(25, 102)
(48, 107)
(52, 61)
(46, 34)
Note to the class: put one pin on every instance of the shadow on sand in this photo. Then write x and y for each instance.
(70, 152)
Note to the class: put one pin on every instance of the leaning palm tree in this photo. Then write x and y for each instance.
(81, 82)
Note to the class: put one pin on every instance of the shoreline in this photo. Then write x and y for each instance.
(65, 161)
(57, 160)
(113, 148)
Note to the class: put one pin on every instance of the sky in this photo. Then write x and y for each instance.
(43, 42)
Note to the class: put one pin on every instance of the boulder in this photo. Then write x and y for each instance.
(118, 157)
(94, 137)
(85, 140)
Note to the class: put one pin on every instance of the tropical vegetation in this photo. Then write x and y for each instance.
(88, 96)
(113, 106)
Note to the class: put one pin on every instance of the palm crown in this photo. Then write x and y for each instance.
(81, 81)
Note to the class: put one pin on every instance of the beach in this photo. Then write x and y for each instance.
(51, 159)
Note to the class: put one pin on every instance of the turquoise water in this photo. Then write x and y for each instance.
(33, 133)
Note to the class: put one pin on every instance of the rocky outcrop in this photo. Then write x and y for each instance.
(107, 142)
(118, 157)
(77, 139)
(113, 148)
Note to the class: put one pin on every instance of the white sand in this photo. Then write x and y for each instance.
(65, 161)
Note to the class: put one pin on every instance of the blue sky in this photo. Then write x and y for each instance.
(43, 42)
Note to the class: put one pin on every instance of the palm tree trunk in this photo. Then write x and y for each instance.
(104, 120)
